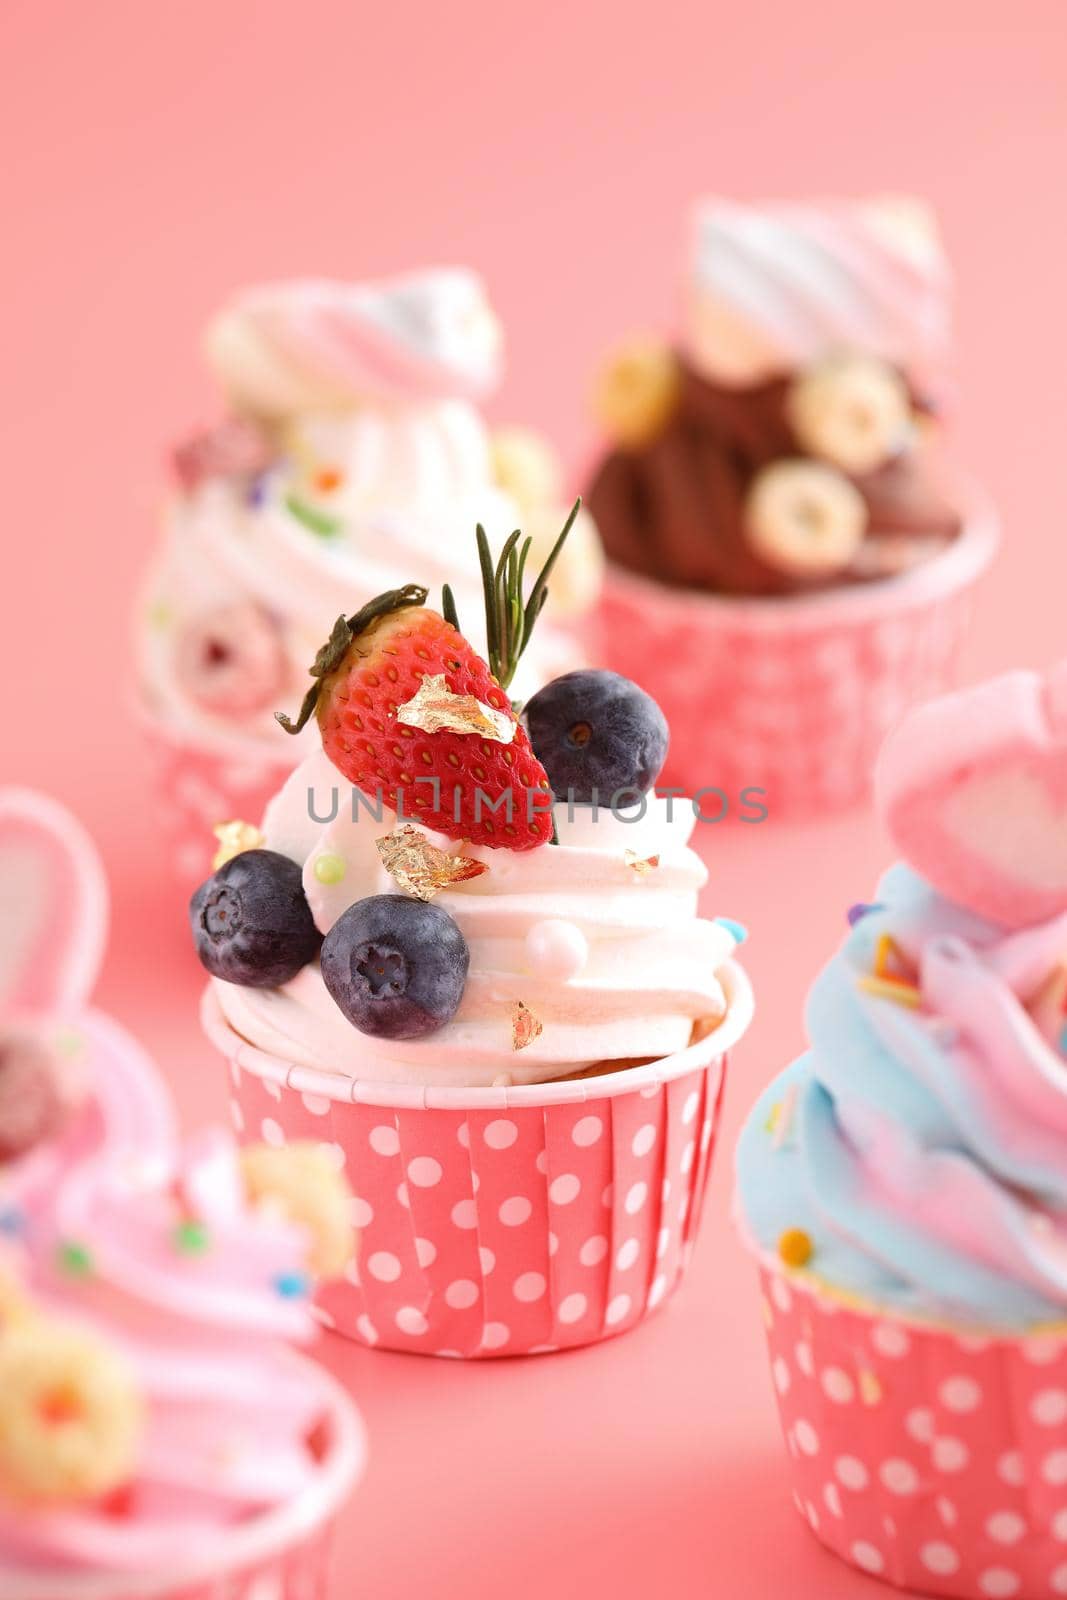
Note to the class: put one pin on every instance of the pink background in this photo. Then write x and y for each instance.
(166, 153)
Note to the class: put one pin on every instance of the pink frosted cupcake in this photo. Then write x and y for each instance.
(157, 1437)
(903, 1184)
(791, 561)
(353, 457)
(506, 1013)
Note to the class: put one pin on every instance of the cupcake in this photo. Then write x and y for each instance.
(351, 455)
(468, 955)
(157, 1436)
(775, 505)
(903, 1186)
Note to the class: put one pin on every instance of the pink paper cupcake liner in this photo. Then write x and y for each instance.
(933, 1460)
(199, 785)
(504, 1221)
(792, 696)
(282, 1556)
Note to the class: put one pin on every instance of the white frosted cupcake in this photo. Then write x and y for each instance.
(507, 1013)
(354, 458)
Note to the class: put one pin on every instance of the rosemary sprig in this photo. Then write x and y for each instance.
(448, 607)
(509, 620)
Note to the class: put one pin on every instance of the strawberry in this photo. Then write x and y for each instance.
(373, 667)
(374, 663)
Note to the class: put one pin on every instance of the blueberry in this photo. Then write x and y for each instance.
(597, 731)
(396, 967)
(251, 923)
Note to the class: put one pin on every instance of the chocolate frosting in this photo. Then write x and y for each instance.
(673, 508)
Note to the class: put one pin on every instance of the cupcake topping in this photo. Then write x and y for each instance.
(783, 444)
(396, 967)
(804, 518)
(419, 867)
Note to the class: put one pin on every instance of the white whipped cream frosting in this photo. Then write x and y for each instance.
(615, 964)
(772, 288)
(374, 384)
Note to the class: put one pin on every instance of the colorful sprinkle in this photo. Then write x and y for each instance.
(329, 868)
(293, 1285)
(191, 1237)
(870, 1388)
(795, 1247)
(320, 522)
(235, 838)
(783, 1122)
(906, 994)
(1063, 1040)
(737, 930)
(886, 952)
(327, 479)
(860, 910)
(12, 1222)
(74, 1259)
(70, 1043)
(640, 866)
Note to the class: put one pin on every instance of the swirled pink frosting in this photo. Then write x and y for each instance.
(195, 1290)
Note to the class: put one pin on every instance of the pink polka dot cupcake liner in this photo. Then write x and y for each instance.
(197, 786)
(933, 1460)
(792, 696)
(504, 1221)
(286, 1555)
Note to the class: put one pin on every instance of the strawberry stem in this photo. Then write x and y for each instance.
(509, 622)
(345, 630)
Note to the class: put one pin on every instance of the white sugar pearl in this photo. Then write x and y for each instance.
(556, 949)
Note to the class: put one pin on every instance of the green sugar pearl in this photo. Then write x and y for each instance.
(191, 1238)
(329, 868)
(74, 1259)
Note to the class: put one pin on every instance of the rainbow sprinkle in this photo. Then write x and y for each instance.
(860, 910)
(191, 1237)
(293, 1285)
(75, 1259)
(795, 1247)
(884, 982)
(317, 521)
(12, 1222)
(905, 994)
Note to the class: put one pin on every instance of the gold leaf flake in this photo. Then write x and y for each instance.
(435, 709)
(420, 867)
(640, 866)
(525, 1027)
(234, 839)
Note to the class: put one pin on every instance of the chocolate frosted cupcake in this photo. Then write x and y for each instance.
(775, 503)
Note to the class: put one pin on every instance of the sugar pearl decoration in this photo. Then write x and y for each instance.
(556, 949)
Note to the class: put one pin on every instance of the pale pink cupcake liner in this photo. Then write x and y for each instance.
(284, 1555)
(792, 696)
(197, 785)
(933, 1460)
(504, 1221)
